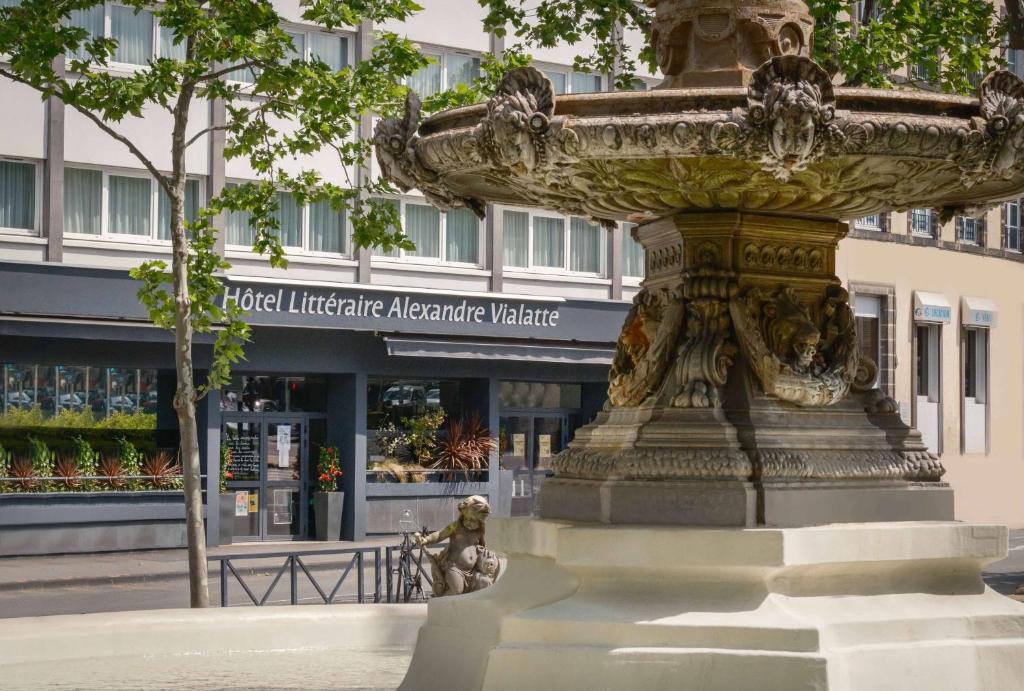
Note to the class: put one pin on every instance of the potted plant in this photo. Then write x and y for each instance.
(327, 500)
(227, 499)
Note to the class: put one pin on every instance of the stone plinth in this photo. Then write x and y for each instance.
(837, 608)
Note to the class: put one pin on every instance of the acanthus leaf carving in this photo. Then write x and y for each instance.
(644, 349)
(395, 141)
(994, 146)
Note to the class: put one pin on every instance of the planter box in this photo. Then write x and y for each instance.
(433, 504)
(327, 507)
(63, 522)
(226, 522)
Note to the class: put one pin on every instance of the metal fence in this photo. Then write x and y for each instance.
(404, 572)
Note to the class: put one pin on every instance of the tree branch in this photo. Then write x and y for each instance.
(214, 128)
(216, 74)
(147, 164)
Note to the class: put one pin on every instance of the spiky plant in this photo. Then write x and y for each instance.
(42, 462)
(112, 471)
(26, 478)
(163, 469)
(465, 447)
(67, 475)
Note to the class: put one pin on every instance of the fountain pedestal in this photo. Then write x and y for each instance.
(838, 607)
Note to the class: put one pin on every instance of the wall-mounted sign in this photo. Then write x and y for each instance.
(519, 445)
(284, 445)
(933, 308)
(544, 445)
(241, 503)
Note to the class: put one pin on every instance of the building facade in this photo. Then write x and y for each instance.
(512, 320)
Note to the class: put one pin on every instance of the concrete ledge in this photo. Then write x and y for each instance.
(803, 504)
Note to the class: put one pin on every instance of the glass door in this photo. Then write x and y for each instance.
(283, 481)
(267, 475)
(548, 440)
(530, 442)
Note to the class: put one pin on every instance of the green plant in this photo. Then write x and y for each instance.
(86, 459)
(112, 472)
(120, 420)
(328, 469)
(131, 460)
(163, 471)
(71, 419)
(42, 459)
(422, 431)
(390, 440)
(225, 468)
(465, 448)
(67, 475)
(5, 467)
(23, 417)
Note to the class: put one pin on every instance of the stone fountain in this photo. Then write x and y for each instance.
(746, 513)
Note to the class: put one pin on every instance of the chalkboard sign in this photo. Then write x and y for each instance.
(245, 458)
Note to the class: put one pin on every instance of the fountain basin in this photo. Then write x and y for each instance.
(338, 647)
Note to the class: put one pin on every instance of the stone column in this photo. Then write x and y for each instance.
(346, 425)
(53, 174)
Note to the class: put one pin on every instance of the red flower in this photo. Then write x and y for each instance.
(325, 477)
(229, 475)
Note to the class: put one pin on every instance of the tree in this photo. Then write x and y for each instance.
(212, 41)
(948, 42)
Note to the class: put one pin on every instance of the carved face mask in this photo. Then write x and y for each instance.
(793, 128)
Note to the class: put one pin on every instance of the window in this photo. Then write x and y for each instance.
(315, 227)
(17, 195)
(263, 394)
(874, 222)
(567, 82)
(868, 322)
(395, 400)
(139, 36)
(329, 48)
(922, 222)
(927, 387)
(446, 237)
(539, 241)
(1011, 226)
(632, 253)
(445, 71)
(975, 390)
(970, 230)
(522, 394)
(99, 390)
(103, 203)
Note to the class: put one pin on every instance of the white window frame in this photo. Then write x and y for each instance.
(916, 233)
(37, 202)
(307, 32)
(404, 258)
(1007, 226)
(628, 279)
(440, 54)
(863, 223)
(154, 205)
(304, 249)
(568, 72)
(961, 222)
(567, 248)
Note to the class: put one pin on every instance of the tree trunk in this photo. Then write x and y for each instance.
(185, 393)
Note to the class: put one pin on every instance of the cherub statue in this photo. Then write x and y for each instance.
(466, 564)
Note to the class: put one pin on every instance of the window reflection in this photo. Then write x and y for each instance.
(98, 390)
(270, 394)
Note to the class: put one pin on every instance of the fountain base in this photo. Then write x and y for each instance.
(837, 607)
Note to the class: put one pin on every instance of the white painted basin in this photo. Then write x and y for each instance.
(336, 647)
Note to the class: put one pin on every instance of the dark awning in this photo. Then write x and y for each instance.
(499, 350)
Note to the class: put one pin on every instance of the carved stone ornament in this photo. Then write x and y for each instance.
(395, 141)
(789, 120)
(994, 146)
(513, 136)
(795, 357)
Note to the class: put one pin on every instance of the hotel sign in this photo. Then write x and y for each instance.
(395, 311)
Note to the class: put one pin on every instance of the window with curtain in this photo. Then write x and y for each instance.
(17, 195)
(584, 246)
(168, 49)
(163, 227)
(128, 205)
(921, 222)
(326, 228)
(329, 49)
(423, 226)
(548, 242)
(632, 253)
(289, 216)
(427, 80)
(558, 80)
(298, 47)
(873, 222)
(83, 201)
(968, 229)
(133, 31)
(377, 251)
(239, 227)
(462, 69)
(584, 83)
(462, 236)
(517, 238)
(91, 20)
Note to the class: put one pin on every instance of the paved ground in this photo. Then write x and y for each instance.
(33, 586)
(70, 584)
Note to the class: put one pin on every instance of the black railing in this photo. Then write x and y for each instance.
(293, 564)
(407, 574)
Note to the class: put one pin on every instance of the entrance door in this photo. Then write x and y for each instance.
(268, 472)
(530, 443)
